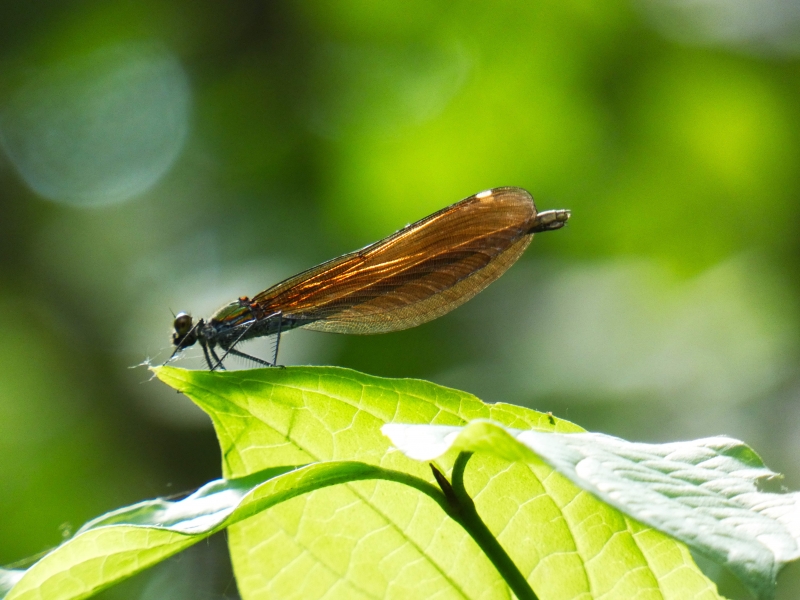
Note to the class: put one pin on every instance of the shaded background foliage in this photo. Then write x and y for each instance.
(165, 154)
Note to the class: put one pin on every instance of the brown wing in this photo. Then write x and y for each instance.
(416, 274)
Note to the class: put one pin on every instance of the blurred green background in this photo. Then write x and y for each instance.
(166, 155)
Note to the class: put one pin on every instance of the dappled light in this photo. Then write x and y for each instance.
(98, 129)
(165, 156)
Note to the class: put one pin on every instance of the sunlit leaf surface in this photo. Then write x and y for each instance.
(379, 539)
(8, 578)
(265, 138)
(704, 492)
(124, 542)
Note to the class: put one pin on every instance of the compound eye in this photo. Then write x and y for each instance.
(183, 324)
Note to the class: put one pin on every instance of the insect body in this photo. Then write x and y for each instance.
(413, 276)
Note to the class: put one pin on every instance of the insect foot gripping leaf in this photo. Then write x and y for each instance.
(395, 538)
(703, 492)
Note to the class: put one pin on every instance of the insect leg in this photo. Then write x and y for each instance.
(229, 349)
(208, 358)
(171, 356)
(181, 346)
(218, 363)
(243, 355)
(277, 339)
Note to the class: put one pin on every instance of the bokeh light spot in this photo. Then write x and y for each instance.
(99, 129)
(770, 27)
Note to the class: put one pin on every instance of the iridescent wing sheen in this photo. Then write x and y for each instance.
(416, 274)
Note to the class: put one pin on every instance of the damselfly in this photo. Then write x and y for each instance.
(413, 276)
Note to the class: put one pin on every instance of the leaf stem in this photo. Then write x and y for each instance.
(462, 509)
(452, 498)
(456, 502)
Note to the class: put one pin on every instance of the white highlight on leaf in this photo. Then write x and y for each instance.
(702, 492)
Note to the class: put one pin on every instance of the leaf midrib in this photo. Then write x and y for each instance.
(350, 487)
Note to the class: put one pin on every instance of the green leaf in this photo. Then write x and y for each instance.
(380, 539)
(703, 492)
(8, 579)
(126, 541)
